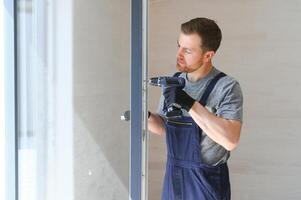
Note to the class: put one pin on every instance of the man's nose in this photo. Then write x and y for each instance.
(179, 54)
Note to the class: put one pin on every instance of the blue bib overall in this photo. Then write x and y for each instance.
(186, 176)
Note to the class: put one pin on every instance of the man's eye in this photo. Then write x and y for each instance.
(187, 52)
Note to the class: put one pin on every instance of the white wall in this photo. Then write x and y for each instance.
(261, 49)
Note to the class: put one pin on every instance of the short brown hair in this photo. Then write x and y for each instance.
(207, 29)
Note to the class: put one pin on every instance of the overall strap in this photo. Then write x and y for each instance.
(210, 87)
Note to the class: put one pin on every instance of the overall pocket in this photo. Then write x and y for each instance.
(180, 140)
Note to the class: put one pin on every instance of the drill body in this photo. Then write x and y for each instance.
(164, 82)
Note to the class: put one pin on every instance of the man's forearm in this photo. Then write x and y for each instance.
(156, 124)
(222, 131)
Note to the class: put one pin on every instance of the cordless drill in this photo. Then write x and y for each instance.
(168, 82)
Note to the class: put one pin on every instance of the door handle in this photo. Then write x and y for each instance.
(126, 116)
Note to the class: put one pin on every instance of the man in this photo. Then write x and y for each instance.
(199, 143)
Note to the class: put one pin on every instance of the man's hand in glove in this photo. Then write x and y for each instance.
(177, 97)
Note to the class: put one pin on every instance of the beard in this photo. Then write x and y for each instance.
(184, 68)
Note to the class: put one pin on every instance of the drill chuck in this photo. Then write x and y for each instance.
(156, 81)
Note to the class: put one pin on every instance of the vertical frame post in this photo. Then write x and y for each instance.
(136, 100)
(144, 184)
(138, 138)
(10, 97)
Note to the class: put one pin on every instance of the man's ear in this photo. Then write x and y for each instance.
(209, 55)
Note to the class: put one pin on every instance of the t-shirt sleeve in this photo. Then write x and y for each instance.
(231, 105)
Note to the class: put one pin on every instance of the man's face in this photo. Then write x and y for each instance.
(190, 56)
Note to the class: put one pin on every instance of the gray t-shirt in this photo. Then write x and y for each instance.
(225, 101)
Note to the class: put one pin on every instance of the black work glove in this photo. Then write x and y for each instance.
(177, 97)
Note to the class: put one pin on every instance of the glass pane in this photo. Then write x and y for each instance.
(101, 95)
(71, 141)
